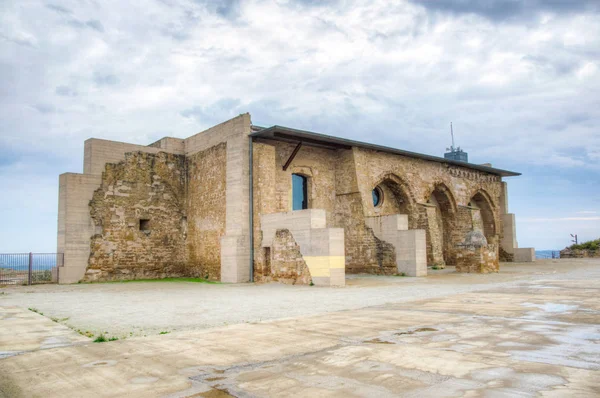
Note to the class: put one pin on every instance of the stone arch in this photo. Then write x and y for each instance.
(398, 192)
(441, 211)
(483, 201)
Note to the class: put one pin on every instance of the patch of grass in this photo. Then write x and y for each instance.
(165, 332)
(311, 283)
(400, 274)
(87, 333)
(35, 310)
(113, 338)
(100, 339)
(193, 280)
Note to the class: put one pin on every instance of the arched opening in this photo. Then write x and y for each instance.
(441, 211)
(299, 192)
(395, 198)
(483, 216)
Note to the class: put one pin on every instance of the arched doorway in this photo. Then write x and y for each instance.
(441, 211)
(483, 215)
(392, 196)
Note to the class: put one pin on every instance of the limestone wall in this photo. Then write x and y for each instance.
(284, 261)
(446, 201)
(206, 211)
(138, 214)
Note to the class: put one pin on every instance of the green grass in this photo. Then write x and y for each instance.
(193, 280)
(164, 332)
(100, 339)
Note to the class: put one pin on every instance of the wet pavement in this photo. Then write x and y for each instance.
(534, 338)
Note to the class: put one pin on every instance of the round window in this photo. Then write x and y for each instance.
(377, 196)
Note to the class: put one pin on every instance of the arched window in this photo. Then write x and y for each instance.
(299, 192)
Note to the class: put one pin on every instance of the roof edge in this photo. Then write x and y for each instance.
(268, 132)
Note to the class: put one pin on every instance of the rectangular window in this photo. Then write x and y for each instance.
(299, 192)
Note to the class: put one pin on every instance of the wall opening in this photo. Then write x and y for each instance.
(440, 223)
(397, 199)
(377, 194)
(299, 192)
(144, 225)
(480, 202)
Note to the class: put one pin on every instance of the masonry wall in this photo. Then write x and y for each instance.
(138, 214)
(206, 209)
(412, 182)
(434, 195)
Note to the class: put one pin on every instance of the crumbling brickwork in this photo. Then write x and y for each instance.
(138, 213)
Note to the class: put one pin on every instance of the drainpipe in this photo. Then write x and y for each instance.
(251, 208)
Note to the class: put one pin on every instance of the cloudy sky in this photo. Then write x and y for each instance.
(520, 80)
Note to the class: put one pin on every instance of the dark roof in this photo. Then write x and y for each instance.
(281, 133)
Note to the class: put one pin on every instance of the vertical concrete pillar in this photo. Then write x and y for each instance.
(75, 227)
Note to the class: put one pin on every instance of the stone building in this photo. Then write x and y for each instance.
(239, 202)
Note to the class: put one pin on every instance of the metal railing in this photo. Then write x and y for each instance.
(547, 254)
(29, 268)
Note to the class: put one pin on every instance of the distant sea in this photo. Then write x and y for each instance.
(546, 253)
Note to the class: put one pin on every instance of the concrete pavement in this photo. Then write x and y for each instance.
(539, 337)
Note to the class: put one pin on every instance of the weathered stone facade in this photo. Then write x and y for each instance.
(284, 262)
(206, 179)
(138, 214)
(193, 207)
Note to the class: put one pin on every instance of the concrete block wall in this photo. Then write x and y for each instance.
(509, 233)
(322, 248)
(410, 245)
(97, 153)
(75, 226)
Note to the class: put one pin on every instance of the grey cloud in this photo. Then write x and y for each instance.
(226, 8)
(18, 41)
(91, 24)
(58, 9)
(95, 24)
(505, 10)
(215, 112)
(65, 91)
(105, 79)
(45, 108)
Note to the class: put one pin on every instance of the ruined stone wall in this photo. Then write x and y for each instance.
(284, 262)
(138, 213)
(477, 259)
(206, 211)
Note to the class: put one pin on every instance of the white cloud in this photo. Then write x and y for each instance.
(521, 94)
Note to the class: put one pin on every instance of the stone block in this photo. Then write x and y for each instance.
(524, 255)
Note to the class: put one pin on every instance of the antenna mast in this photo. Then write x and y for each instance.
(452, 134)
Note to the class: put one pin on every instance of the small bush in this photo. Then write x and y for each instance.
(592, 245)
(100, 339)
(113, 339)
(165, 332)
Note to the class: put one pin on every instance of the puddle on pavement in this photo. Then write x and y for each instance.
(214, 393)
(378, 341)
(420, 330)
(552, 307)
(100, 364)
